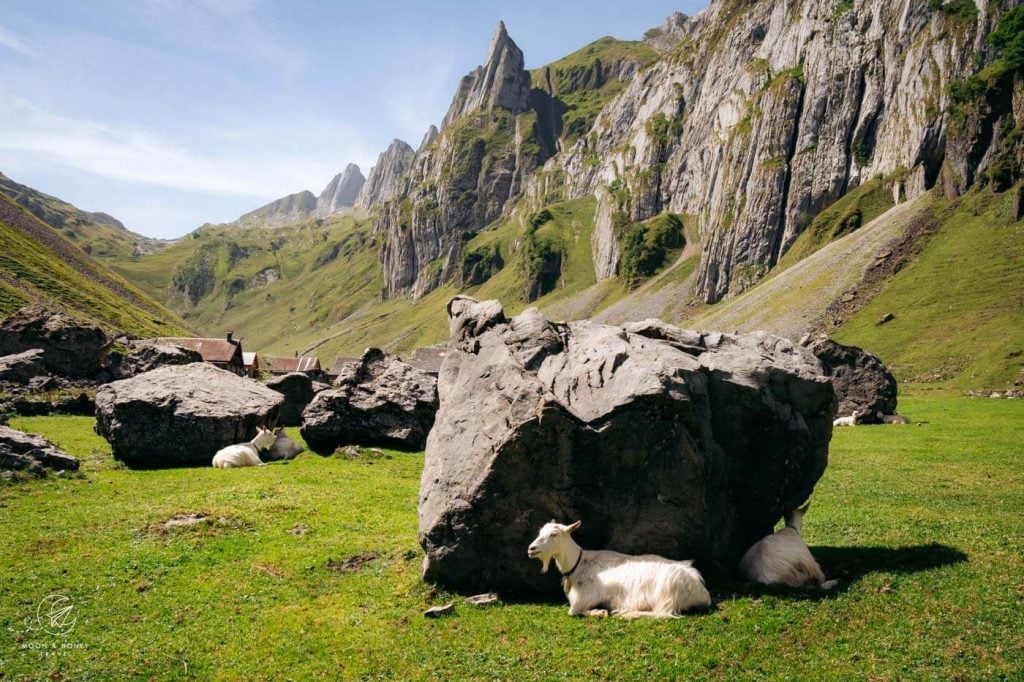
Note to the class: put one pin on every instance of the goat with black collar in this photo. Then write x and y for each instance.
(601, 581)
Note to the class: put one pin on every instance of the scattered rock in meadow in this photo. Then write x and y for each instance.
(439, 611)
(378, 401)
(71, 348)
(861, 381)
(35, 454)
(22, 368)
(181, 416)
(297, 389)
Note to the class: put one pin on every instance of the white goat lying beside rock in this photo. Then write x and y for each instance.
(783, 559)
(847, 421)
(245, 454)
(599, 581)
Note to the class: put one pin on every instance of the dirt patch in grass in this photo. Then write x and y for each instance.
(351, 564)
(195, 521)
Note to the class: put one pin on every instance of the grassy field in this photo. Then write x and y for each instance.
(921, 524)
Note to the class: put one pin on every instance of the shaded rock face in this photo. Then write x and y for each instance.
(686, 444)
(23, 451)
(21, 368)
(71, 348)
(297, 389)
(181, 416)
(378, 401)
(341, 192)
(146, 356)
(861, 381)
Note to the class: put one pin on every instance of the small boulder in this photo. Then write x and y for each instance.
(378, 401)
(19, 450)
(298, 392)
(861, 381)
(181, 416)
(145, 356)
(22, 368)
(71, 348)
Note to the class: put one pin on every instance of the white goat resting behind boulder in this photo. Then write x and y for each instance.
(245, 454)
(782, 558)
(599, 581)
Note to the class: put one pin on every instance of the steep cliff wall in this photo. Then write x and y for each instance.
(767, 112)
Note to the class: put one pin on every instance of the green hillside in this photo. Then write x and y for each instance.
(957, 301)
(39, 265)
(98, 234)
(958, 305)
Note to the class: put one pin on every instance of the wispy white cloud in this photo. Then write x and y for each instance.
(137, 156)
(16, 44)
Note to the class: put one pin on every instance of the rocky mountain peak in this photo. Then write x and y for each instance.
(341, 191)
(501, 81)
(282, 211)
(386, 176)
(428, 137)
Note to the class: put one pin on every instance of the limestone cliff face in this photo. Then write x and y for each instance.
(749, 118)
(341, 191)
(766, 112)
(387, 177)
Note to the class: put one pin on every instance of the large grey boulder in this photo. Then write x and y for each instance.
(71, 348)
(861, 381)
(24, 451)
(145, 356)
(378, 401)
(181, 416)
(21, 368)
(686, 444)
(297, 389)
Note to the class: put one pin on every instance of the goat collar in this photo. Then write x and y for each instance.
(565, 576)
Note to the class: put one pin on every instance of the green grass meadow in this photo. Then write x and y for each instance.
(921, 523)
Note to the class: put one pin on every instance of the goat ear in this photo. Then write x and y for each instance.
(574, 526)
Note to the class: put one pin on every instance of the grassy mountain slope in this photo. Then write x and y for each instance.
(39, 265)
(98, 234)
(958, 306)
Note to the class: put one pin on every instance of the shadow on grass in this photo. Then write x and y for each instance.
(850, 564)
(853, 563)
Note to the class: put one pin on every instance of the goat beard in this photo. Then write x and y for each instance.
(546, 561)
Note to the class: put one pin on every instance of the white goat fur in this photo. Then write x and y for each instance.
(629, 586)
(245, 454)
(783, 559)
(847, 421)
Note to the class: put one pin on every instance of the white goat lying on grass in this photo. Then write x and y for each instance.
(847, 421)
(599, 581)
(783, 559)
(245, 454)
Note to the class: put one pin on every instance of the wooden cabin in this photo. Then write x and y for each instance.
(225, 353)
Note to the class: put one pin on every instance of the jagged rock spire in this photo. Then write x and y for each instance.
(341, 191)
(501, 81)
(386, 176)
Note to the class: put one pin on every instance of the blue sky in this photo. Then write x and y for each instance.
(171, 113)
